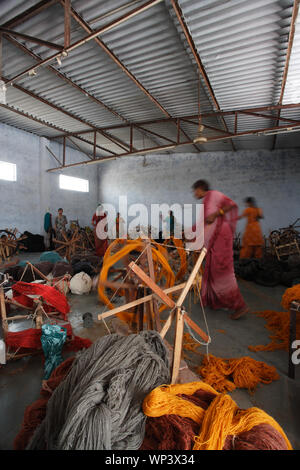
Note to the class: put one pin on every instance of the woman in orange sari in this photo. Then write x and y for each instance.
(253, 241)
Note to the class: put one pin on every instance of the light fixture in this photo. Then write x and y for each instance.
(58, 60)
(285, 130)
(32, 73)
(200, 139)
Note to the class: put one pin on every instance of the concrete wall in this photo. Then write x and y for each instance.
(24, 202)
(273, 178)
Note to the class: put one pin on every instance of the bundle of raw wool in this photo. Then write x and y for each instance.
(81, 284)
(61, 268)
(229, 374)
(99, 404)
(196, 417)
(279, 323)
(51, 256)
(83, 266)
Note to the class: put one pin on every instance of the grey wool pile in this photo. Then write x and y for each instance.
(98, 406)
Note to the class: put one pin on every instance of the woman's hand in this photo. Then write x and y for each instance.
(211, 218)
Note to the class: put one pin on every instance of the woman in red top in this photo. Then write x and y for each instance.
(100, 244)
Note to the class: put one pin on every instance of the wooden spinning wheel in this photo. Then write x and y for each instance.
(69, 245)
(177, 257)
(9, 243)
(163, 272)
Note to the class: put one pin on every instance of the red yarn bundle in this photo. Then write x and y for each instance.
(35, 413)
(25, 339)
(77, 343)
(51, 296)
(30, 339)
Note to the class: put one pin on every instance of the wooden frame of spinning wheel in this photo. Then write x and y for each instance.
(177, 311)
(11, 242)
(70, 244)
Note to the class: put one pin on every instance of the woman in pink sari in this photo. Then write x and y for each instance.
(219, 288)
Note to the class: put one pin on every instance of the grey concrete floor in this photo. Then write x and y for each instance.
(20, 381)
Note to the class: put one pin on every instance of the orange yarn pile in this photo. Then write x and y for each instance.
(291, 294)
(229, 374)
(221, 419)
(189, 344)
(279, 323)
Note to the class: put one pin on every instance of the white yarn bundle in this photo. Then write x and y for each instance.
(81, 284)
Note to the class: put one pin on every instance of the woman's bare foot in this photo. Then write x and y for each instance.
(239, 313)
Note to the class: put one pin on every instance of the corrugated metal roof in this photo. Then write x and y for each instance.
(242, 46)
(292, 88)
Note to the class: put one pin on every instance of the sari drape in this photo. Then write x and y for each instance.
(219, 287)
(100, 245)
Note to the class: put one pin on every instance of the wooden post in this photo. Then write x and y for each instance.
(150, 283)
(154, 306)
(191, 278)
(3, 312)
(177, 344)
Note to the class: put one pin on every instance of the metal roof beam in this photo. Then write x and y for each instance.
(35, 40)
(27, 14)
(172, 146)
(190, 117)
(287, 60)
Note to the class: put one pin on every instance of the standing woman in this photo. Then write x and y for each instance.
(219, 288)
(119, 226)
(253, 241)
(60, 224)
(100, 244)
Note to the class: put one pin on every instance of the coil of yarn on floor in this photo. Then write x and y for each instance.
(229, 374)
(221, 424)
(278, 323)
(106, 385)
